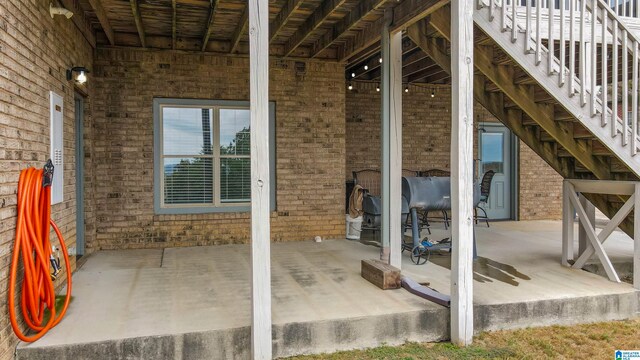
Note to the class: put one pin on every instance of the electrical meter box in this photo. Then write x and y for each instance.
(56, 153)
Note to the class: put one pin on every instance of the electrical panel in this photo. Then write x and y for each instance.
(57, 144)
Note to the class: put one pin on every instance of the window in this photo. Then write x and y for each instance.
(202, 156)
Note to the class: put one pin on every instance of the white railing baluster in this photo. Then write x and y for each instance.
(605, 67)
(527, 32)
(491, 8)
(625, 86)
(572, 48)
(561, 73)
(503, 16)
(634, 100)
(594, 52)
(584, 77)
(538, 37)
(551, 44)
(614, 80)
(514, 26)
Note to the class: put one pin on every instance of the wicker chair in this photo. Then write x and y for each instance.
(485, 190)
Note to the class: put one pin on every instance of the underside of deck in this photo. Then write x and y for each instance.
(192, 303)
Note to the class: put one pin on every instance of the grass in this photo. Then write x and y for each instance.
(590, 341)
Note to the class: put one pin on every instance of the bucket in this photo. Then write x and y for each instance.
(354, 227)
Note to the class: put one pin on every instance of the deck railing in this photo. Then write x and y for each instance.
(592, 52)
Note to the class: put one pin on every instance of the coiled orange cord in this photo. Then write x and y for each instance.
(32, 239)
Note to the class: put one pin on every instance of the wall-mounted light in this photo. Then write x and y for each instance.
(82, 71)
(59, 11)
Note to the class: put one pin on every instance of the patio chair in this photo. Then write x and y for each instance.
(485, 190)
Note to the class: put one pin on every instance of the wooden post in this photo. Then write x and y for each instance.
(462, 172)
(583, 241)
(395, 192)
(260, 187)
(567, 224)
(386, 139)
(636, 238)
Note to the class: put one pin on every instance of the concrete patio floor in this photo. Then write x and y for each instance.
(189, 303)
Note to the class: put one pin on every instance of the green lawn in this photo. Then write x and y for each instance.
(592, 341)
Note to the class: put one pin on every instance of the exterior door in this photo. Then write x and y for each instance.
(79, 154)
(495, 154)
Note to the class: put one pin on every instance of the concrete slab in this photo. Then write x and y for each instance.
(193, 303)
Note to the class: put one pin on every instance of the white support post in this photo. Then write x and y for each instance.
(395, 153)
(567, 224)
(462, 172)
(636, 238)
(385, 137)
(583, 240)
(261, 347)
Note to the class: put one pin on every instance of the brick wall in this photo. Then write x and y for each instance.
(310, 140)
(35, 51)
(426, 137)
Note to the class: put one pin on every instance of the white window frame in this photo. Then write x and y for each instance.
(217, 206)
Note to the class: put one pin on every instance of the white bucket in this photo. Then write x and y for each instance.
(354, 227)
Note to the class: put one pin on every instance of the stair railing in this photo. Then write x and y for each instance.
(594, 54)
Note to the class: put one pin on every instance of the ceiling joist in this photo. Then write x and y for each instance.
(319, 15)
(355, 16)
(207, 31)
(283, 17)
(242, 27)
(96, 5)
(135, 8)
(174, 23)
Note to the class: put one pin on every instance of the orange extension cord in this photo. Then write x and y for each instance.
(32, 238)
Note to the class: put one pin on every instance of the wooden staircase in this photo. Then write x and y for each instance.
(548, 93)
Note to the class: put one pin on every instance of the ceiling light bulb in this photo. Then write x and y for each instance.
(380, 60)
(353, 74)
(82, 77)
(366, 67)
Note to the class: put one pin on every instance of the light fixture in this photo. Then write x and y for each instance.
(350, 87)
(433, 93)
(406, 88)
(378, 88)
(59, 11)
(380, 60)
(366, 67)
(353, 74)
(82, 74)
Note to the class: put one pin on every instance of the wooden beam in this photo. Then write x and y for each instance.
(174, 25)
(261, 347)
(242, 27)
(207, 31)
(135, 8)
(462, 233)
(391, 137)
(191, 44)
(374, 64)
(636, 238)
(521, 95)
(80, 21)
(405, 14)
(96, 5)
(346, 24)
(421, 68)
(289, 8)
(319, 15)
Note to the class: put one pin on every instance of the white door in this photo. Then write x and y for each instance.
(495, 154)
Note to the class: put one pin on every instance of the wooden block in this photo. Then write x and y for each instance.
(380, 274)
